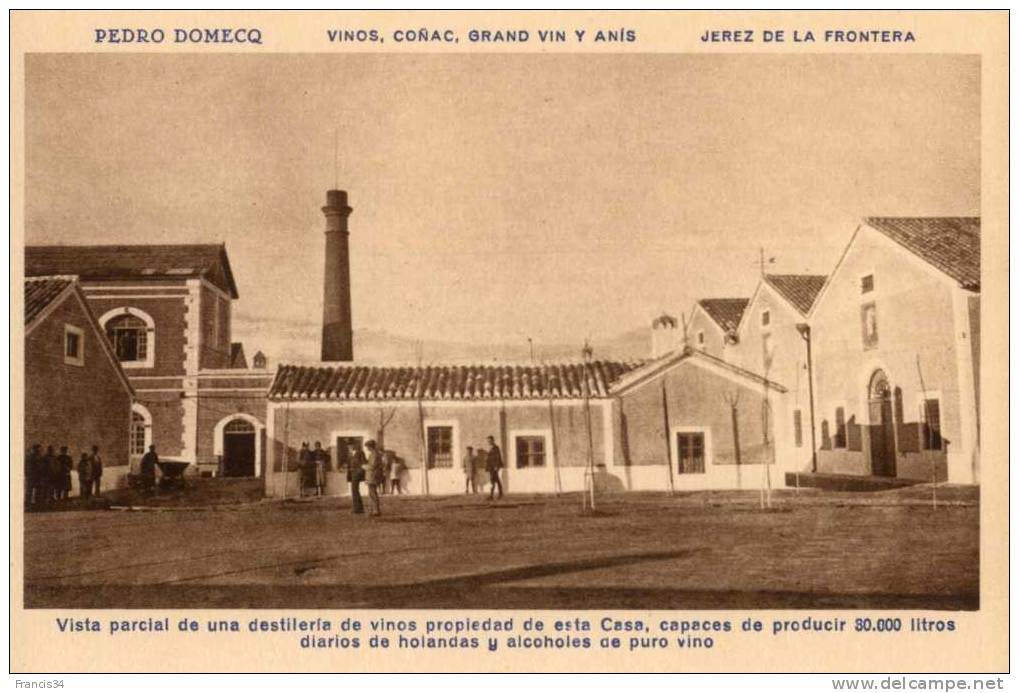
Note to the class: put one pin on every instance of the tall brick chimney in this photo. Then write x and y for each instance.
(337, 328)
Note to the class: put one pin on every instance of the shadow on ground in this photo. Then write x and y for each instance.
(466, 595)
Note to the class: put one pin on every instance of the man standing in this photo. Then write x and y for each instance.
(97, 471)
(65, 465)
(321, 459)
(33, 476)
(305, 467)
(355, 475)
(470, 486)
(376, 473)
(50, 475)
(148, 468)
(84, 477)
(493, 463)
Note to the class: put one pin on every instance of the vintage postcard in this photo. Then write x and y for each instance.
(511, 341)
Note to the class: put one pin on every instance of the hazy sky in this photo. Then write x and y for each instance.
(501, 196)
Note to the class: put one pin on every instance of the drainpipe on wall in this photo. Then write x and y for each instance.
(804, 330)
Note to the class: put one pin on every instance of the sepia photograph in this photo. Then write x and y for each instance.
(502, 331)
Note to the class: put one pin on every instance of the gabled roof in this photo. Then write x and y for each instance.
(41, 292)
(799, 289)
(951, 244)
(43, 295)
(650, 370)
(726, 312)
(98, 262)
(480, 383)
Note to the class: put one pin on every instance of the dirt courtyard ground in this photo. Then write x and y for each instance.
(708, 550)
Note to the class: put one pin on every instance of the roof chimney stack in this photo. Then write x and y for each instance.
(337, 328)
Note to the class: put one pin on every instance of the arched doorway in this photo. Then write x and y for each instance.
(882, 426)
(239, 448)
(140, 435)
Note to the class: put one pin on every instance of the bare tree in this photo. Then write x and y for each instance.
(385, 416)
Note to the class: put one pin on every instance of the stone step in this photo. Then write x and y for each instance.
(847, 482)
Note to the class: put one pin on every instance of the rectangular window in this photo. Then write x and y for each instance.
(867, 284)
(343, 444)
(530, 451)
(690, 450)
(798, 428)
(839, 440)
(765, 318)
(74, 345)
(868, 324)
(440, 447)
(767, 350)
(700, 337)
(930, 414)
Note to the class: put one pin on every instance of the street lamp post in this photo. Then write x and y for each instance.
(804, 330)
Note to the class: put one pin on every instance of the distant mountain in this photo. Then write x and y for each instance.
(283, 341)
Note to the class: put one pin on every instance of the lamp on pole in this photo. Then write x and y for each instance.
(804, 330)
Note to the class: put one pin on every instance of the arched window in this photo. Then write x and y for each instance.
(131, 333)
(129, 338)
(141, 430)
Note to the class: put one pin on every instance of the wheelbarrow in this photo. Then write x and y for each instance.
(173, 474)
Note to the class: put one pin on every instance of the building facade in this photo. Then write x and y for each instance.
(685, 421)
(692, 421)
(896, 343)
(76, 393)
(771, 340)
(551, 421)
(714, 323)
(166, 313)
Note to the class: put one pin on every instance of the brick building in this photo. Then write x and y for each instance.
(76, 393)
(166, 312)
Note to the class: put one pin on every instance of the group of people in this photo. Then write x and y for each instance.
(48, 475)
(372, 469)
(478, 460)
(312, 465)
(379, 469)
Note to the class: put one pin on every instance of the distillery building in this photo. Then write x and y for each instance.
(165, 312)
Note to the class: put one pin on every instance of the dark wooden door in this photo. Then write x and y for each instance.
(239, 454)
(882, 436)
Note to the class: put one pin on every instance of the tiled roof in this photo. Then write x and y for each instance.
(951, 244)
(727, 312)
(98, 262)
(798, 289)
(39, 293)
(369, 383)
